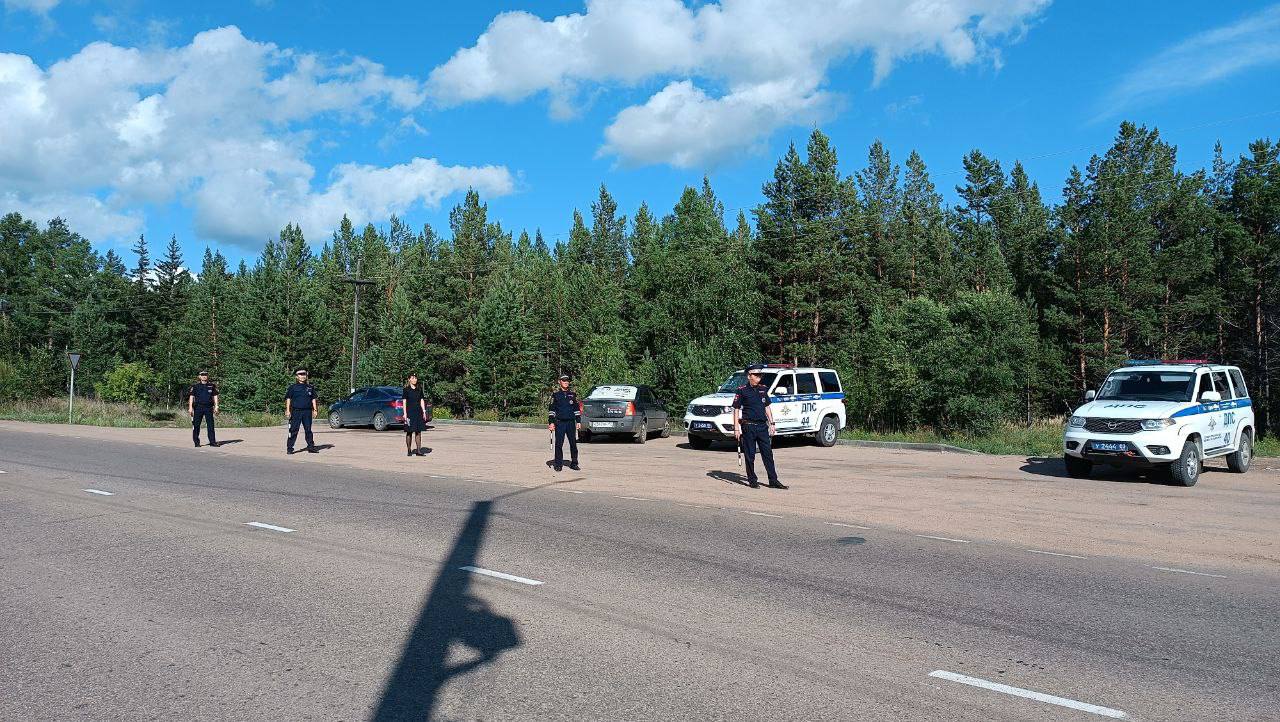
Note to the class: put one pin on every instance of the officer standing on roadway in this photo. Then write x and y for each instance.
(563, 416)
(753, 427)
(202, 404)
(300, 408)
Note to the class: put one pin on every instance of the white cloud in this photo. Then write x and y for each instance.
(39, 7)
(1199, 60)
(223, 125)
(771, 57)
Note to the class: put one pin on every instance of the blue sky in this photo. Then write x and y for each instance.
(219, 122)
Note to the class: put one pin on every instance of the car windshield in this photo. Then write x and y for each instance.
(621, 393)
(739, 379)
(1148, 386)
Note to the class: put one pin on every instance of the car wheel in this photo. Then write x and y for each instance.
(1239, 460)
(665, 431)
(584, 436)
(1077, 468)
(335, 420)
(642, 435)
(1186, 470)
(699, 443)
(379, 421)
(827, 432)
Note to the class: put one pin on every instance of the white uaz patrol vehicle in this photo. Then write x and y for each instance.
(804, 401)
(1171, 414)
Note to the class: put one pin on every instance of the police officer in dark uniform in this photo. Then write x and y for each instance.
(563, 416)
(300, 408)
(202, 405)
(753, 427)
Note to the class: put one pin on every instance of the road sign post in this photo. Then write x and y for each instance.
(74, 359)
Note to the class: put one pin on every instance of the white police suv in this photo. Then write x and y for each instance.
(804, 401)
(1172, 414)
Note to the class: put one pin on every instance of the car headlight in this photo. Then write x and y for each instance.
(1157, 424)
(689, 409)
(728, 409)
(1077, 422)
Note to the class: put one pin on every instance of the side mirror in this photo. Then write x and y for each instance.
(781, 391)
(1210, 396)
(1090, 395)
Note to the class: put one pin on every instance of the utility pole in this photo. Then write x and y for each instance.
(356, 282)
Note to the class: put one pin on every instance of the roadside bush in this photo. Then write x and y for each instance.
(127, 383)
(10, 382)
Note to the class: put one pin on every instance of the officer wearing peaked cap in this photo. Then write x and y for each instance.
(563, 416)
(202, 405)
(753, 426)
(300, 408)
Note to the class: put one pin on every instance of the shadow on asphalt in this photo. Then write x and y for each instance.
(227, 442)
(730, 477)
(1053, 466)
(451, 614)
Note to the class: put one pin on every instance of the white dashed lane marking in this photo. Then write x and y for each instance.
(633, 498)
(569, 491)
(760, 513)
(1055, 554)
(100, 492)
(851, 526)
(501, 575)
(272, 527)
(1029, 694)
(944, 538)
(1188, 571)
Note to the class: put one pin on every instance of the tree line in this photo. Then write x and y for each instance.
(1001, 308)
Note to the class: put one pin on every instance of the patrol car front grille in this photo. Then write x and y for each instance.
(700, 410)
(1113, 426)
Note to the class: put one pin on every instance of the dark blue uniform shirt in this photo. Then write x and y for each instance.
(300, 396)
(752, 400)
(563, 407)
(202, 394)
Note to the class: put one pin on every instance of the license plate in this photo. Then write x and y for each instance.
(602, 424)
(700, 425)
(1109, 446)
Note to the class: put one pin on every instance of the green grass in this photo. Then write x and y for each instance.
(1043, 438)
(1269, 446)
(100, 413)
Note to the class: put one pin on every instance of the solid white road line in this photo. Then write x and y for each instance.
(569, 491)
(851, 526)
(633, 498)
(943, 538)
(100, 492)
(1028, 694)
(272, 527)
(1054, 554)
(1188, 571)
(760, 513)
(501, 575)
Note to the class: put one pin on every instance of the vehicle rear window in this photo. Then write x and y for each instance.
(1237, 380)
(830, 382)
(806, 384)
(624, 393)
(787, 380)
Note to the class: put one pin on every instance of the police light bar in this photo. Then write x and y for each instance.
(1187, 362)
(779, 366)
(1143, 362)
(1166, 362)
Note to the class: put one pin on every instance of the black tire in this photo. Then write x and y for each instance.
(335, 420)
(827, 432)
(699, 443)
(1186, 470)
(379, 421)
(1077, 468)
(665, 433)
(642, 435)
(1239, 460)
(584, 436)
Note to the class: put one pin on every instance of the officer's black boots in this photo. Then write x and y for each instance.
(312, 450)
(558, 467)
(777, 485)
(574, 465)
(754, 485)
(197, 444)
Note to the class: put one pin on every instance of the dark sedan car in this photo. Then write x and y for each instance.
(376, 406)
(631, 410)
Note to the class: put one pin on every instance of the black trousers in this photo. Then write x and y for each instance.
(566, 429)
(206, 414)
(756, 436)
(300, 418)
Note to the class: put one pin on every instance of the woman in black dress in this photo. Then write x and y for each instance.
(415, 416)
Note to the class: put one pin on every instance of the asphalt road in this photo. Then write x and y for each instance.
(161, 601)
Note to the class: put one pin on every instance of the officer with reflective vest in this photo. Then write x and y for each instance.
(563, 416)
(300, 408)
(753, 427)
(202, 405)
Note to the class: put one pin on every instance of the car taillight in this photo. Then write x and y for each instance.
(395, 404)
(631, 408)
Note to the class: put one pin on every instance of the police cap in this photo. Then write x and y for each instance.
(299, 371)
(754, 368)
(564, 377)
(203, 373)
